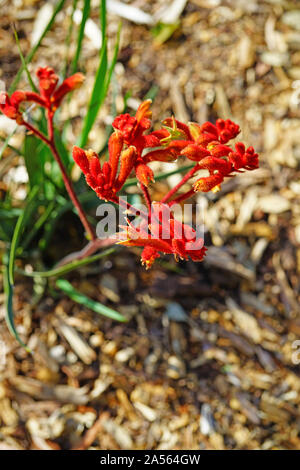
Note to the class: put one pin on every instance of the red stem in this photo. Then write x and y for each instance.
(181, 183)
(147, 197)
(68, 184)
(88, 250)
(182, 197)
(36, 132)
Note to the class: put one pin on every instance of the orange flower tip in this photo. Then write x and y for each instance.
(144, 111)
(76, 80)
(149, 255)
(144, 174)
(195, 130)
(47, 78)
(216, 189)
(90, 153)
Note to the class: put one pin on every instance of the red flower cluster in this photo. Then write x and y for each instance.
(105, 181)
(131, 149)
(206, 145)
(50, 96)
(125, 147)
(163, 234)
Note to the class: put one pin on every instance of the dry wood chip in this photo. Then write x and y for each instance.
(79, 345)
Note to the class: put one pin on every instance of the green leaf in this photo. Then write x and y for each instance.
(56, 272)
(68, 38)
(6, 142)
(101, 85)
(81, 299)
(103, 19)
(20, 225)
(9, 314)
(10, 264)
(97, 97)
(34, 88)
(38, 224)
(85, 15)
(163, 31)
(31, 54)
(34, 160)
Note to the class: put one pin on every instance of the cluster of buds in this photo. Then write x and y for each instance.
(49, 97)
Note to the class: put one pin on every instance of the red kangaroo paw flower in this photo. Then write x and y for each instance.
(167, 154)
(132, 127)
(128, 158)
(208, 183)
(47, 81)
(216, 164)
(150, 140)
(144, 114)
(149, 255)
(106, 170)
(242, 158)
(125, 124)
(205, 139)
(10, 108)
(95, 167)
(219, 150)
(17, 98)
(179, 239)
(68, 85)
(227, 130)
(195, 152)
(81, 159)
(210, 128)
(251, 159)
(115, 145)
(144, 174)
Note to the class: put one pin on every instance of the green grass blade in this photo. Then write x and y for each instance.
(38, 224)
(21, 222)
(85, 15)
(9, 314)
(33, 87)
(56, 272)
(34, 161)
(68, 38)
(31, 54)
(97, 97)
(81, 299)
(6, 142)
(114, 60)
(103, 19)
